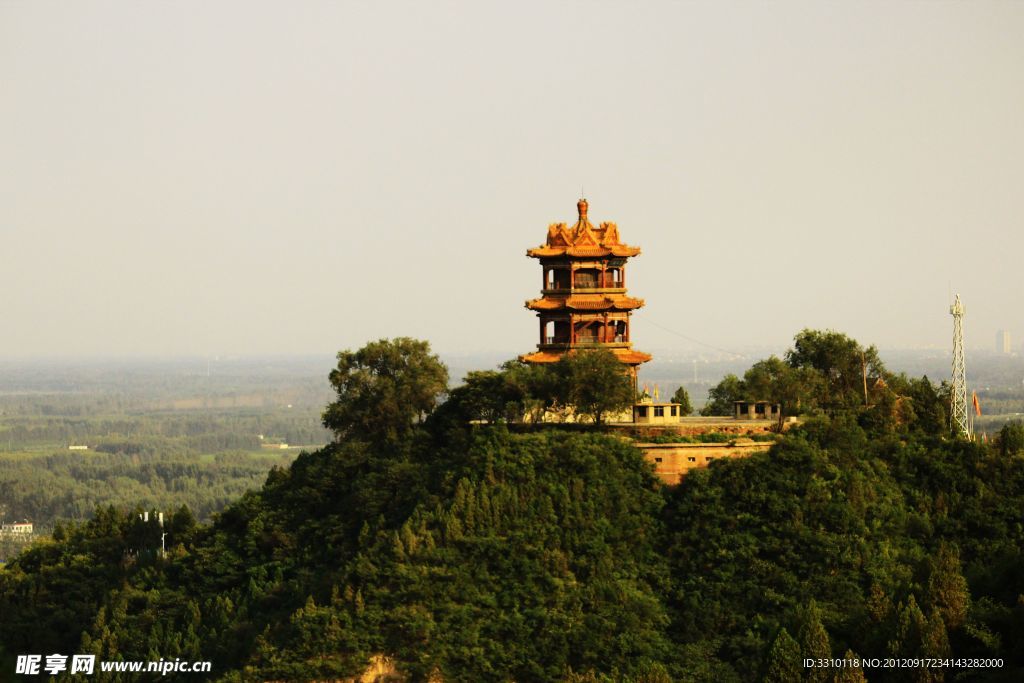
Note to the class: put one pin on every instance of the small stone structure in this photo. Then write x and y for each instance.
(672, 461)
(646, 411)
(756, 410)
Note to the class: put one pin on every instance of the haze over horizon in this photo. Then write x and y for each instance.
(270, 178)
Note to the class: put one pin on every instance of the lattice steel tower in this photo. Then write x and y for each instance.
(959, 422)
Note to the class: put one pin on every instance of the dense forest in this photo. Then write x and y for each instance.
(69, 486)
(466, 551)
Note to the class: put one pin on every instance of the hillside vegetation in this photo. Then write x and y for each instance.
(472, 553)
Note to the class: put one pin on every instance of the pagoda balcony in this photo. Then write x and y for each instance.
(552, 345)
(619, 339)
(615, 288)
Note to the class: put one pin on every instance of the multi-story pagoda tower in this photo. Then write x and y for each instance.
(584, 302)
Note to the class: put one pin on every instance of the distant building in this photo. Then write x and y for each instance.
(78, 448)
(23, 527)
(1003, 341)
(756, 410)
(646, 411)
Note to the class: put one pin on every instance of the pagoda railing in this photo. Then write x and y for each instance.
(589, 341)
(556, 288)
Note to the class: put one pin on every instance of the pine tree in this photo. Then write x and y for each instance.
(682, 397)
(878, 603)
(850, 674)
(947, 588)
(814, 642)
(783, 665)
(910, 627)
(934, 645)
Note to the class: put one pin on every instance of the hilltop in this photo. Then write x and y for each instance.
(472, 553)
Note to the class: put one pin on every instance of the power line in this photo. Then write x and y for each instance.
(691, 339)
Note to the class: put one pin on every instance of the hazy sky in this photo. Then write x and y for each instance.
(242, 177)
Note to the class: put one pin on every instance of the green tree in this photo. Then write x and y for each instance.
(783, 665)
(182, 521)
(850, 674)
(910, 628)
(1011, 438)
(595, 383)
(682, 397)
(935, 640)
(383, 389)
(487, 395)
(947, 588)
(795, 389)
(930, 406)
(537, 385)
(813, 639)
(722, 395)
(842, 364)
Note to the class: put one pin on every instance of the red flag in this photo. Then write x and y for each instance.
(977, 405)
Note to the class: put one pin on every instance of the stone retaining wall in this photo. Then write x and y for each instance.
(672, 461)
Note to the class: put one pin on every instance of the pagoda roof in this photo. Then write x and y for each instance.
(583, 239)
(626, 356)
(586, 302)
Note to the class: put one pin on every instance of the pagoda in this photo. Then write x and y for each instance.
(583, 300)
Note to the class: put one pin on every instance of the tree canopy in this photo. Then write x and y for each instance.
(384, 388)
(682, 397)
(722, 396)
(595, 383)
(587, 383)
(827, 372)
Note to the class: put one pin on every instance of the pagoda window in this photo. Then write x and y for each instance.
(587, 278)
(586, 333)
(556, 278)
(621, 331)
(556, 332)
(613, 278)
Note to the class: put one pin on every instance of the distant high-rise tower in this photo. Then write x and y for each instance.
(959, 422)
(1003, 341)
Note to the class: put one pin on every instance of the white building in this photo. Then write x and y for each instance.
(1003, 341)
(23, 527)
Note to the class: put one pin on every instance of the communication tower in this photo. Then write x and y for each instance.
(958, 419)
